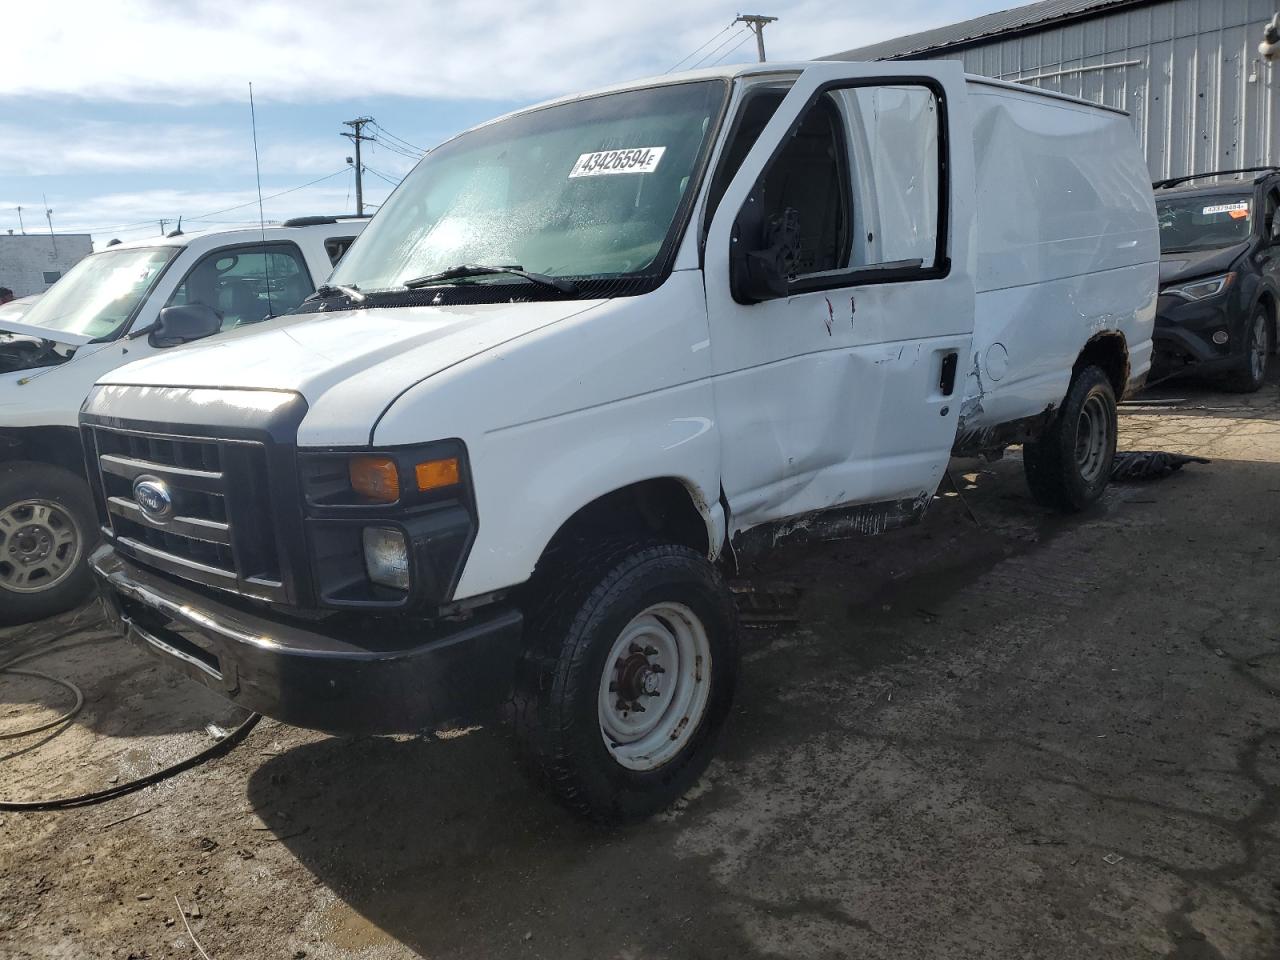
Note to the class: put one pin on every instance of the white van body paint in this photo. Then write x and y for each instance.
(790, 406)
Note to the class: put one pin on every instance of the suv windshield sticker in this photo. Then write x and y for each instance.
(634, 160)
(1238, 211)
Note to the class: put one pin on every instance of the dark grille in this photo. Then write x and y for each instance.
(220, 531)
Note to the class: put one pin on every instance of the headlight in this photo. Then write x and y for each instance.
(386, 557)
(1201, 289)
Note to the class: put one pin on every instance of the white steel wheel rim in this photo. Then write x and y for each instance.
(1091, 438)
(661, 663)
(1258, 348)
(40, 545)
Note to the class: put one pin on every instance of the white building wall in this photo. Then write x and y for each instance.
(31, 263)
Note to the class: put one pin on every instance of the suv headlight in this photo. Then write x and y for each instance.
(1201, 289)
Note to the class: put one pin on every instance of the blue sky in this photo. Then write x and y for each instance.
(127, 112)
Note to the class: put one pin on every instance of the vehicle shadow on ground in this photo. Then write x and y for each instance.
(445, 846)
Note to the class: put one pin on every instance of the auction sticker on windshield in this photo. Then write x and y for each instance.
(1238, 211)
(633, 160)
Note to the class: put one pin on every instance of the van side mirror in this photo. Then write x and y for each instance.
(762, 255)
(184, 323)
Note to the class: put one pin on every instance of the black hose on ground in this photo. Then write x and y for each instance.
(100, 796)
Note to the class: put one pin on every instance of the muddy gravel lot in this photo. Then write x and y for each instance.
(997, 734)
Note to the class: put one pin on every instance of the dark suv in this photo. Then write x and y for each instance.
(1219, 276)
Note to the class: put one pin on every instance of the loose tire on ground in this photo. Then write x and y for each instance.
(1252, 372)
(47, 529)
(607, 628)
(1070, 465)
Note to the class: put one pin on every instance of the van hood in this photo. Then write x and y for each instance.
(1192, 264)
(351, 365)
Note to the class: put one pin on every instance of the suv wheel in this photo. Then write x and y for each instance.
(47, 527)
(1069, 467)
(1252, 372)
(630, 674)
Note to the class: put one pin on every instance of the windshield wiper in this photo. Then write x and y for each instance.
(479, 270)
(327, 290)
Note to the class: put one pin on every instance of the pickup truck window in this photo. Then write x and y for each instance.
(246, 284)
(1204, 221)
(335, 247)
(100, 295)
(587, 189)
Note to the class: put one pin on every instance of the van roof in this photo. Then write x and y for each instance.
(782, 68)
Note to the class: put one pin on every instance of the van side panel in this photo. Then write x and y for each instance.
(1067, 248)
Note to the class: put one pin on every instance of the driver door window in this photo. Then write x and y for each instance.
(857, 189)
(247, 284)
(1269, 221)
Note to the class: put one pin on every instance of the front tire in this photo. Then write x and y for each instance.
(1069, 467)
(631, 667)
(1252, 372)
(47, 528)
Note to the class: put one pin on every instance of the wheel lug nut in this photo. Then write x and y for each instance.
(657, 668)
(634, 648)
(650, 651)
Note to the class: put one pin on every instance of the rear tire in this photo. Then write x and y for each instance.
(47, 528)
(1069, 467)
(1252, 371)
(615, 627)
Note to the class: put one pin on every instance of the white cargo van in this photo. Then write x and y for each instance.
(591, 353)
(128, 300)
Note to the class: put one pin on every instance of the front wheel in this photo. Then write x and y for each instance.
(630, 674)
(1069, 467)
(47, 527)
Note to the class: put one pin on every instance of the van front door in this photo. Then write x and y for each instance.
(842, 386)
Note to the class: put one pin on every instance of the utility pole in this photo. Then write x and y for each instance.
(356, 137)
(48, 215)
(756, 24)
(162, 223)
(21, 229)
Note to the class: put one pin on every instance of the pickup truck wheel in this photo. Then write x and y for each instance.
(630, 675)
(1070, 465)
(1252, 372)
(47, 526)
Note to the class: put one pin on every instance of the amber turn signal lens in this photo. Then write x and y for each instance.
(437, 473)
(375, 478)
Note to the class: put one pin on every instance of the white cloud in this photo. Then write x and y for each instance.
(201, 50)
(120, 147)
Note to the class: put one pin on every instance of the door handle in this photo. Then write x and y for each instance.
(947, 379)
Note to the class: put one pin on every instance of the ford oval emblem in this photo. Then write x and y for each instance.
(153, 499)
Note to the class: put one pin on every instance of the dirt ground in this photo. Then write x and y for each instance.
(998, 734)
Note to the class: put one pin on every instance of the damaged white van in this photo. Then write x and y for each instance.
(591, 353)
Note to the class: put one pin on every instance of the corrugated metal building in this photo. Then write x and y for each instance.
(1188, 71)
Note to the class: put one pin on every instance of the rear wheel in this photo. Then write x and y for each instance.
(1251, 374)
(47, 527)
(630, 674)
(1070, 465)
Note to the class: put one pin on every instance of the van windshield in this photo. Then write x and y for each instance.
(1204, 222)
(584, 189)
(101, 293)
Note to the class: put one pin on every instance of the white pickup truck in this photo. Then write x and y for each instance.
(127, 301)
(591, 353)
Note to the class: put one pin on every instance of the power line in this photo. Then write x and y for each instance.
(728, 52)
(400, 140)
(687, 56)
(716, 49)
(272, 196)
(382, 176)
